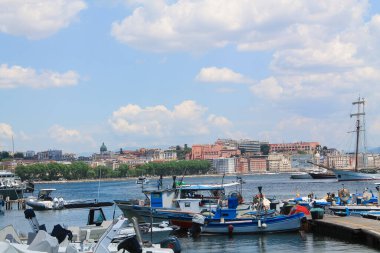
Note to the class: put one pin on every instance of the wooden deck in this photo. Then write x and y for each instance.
(350, 228)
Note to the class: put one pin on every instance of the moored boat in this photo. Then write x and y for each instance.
(226, 221)
(44, 201)
(12, 187)
(275, 224)
(366, 172)
(180, 201)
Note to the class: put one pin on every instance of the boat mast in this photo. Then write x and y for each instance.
(358, 114)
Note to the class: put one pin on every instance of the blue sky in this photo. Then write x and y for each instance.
(143, 73)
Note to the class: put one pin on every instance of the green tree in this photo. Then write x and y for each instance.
(264, 149)
(18, 155)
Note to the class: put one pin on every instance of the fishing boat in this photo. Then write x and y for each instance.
(357, 203)
(261, 222)
(178, 201)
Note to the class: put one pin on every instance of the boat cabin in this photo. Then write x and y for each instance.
(193, 198)
(44, 194)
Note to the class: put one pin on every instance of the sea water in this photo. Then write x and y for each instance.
(279, 186)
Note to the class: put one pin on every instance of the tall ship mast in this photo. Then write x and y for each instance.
(363, 173)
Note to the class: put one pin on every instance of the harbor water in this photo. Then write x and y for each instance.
(279, 186)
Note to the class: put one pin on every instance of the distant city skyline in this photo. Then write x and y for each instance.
(138, 73)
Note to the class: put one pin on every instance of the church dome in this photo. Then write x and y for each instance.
(103, 148)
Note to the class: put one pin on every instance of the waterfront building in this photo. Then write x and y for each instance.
(278, 163)
(250, 146)
(30, 154)
(204, 152)
(258, 165)
(224, 165)
(55, 155)
(373, 160)
(209, 152)
(309, 147)
(69, 157)
(242, 165)
(169, 155)
(229, 143)
(340, 161)
(104, 153)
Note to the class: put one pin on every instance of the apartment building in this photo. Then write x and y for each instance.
(309, 147)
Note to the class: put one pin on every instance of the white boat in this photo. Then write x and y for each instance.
(11, 185)
(365, 173)
(45, 201)
(142, 180)
(108, 237)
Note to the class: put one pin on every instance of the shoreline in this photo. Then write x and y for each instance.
(134, 178)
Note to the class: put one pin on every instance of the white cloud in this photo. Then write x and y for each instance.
(6, 131)
(333, 54)
(215, 75)
(38, 19)
(219, 121)
(268, 88)
(63, 135)
(186, 119)
(250, 25)
(17, 76)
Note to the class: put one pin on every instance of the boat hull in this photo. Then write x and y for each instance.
(300, 176)
(277, 224)
(142, 213)
(343, 175)
(322, 175)
(42, 205)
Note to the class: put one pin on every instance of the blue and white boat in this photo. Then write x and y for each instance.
(273, 224)
(177, 202)
(226, 221)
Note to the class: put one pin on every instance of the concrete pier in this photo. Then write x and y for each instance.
(350, 228)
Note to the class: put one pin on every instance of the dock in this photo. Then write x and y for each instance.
(350, 228)
(20, 203)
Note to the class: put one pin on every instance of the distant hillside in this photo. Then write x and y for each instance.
(374, 150)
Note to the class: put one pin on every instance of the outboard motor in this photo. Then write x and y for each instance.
(31, 216)
(130, 244)
(171, 242)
